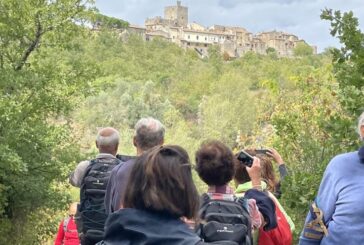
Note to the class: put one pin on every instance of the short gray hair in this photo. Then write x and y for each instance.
(149, 132)
(360, 124)
(111, 139)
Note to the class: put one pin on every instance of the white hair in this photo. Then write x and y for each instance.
(149, 132)
(361, 124)
(110, 140)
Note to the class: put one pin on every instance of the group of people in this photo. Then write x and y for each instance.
(151, 198)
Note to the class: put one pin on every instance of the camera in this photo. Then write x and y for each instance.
(245, 158)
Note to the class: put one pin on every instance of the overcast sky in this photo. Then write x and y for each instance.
(300, 17)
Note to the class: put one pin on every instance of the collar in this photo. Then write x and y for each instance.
(105, 155)
(223, 189)
(361, 154)
(248, 185)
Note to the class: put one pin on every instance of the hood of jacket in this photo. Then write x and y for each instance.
(133, 226)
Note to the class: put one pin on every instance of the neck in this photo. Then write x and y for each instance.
(139, 151)
(108, 152)
(225, 189)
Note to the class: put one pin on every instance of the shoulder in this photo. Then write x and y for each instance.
(124, 167)
(342, 161)
(83, 164)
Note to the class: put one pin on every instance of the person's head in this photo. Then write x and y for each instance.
(72, 209)
(149, 132)
(215, 163)
(107, 140)
(361, 126)
(162, 181)
(266, 169)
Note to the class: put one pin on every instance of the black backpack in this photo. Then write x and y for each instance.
(225, 221)
(93, 188)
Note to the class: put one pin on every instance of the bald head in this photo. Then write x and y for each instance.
(107, 140)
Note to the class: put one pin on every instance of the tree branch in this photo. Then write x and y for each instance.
(38, 34)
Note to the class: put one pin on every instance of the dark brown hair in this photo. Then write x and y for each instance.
(161, 180)
(215, 163)
(241, 176)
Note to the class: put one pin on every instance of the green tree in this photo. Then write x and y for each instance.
(229, 109)
(302, 49)
(100, 20)
(349, 60)
(42, 78)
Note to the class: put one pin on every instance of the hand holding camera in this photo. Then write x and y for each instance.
(252, 167)
(254, 171)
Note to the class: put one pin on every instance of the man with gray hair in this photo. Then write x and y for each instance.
(92, 177)
(149, 132)
(107, 142)
(337, 214)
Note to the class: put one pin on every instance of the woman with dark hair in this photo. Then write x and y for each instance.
(159, 194)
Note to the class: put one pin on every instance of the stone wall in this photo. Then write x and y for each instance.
(178, 13)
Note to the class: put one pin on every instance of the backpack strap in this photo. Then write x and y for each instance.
(92, 162)
(317, 224)
(243, 202)
(65, 224)
(205, 199)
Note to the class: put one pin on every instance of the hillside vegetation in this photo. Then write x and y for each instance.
(60, 82)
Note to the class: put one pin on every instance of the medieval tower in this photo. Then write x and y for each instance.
(178, 14)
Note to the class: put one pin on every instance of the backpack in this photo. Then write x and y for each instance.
(92, 213)
(224, 220)
(65, 224)
(281, 235)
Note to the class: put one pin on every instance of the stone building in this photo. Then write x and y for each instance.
(233, 41)
(177, 14)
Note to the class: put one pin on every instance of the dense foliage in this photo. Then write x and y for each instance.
(42, 76)
(60, 82)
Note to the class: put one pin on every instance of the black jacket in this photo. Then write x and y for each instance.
(139, 227)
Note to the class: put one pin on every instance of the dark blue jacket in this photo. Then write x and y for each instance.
(138, 227)
(117, 185)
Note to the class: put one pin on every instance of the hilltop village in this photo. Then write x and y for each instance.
(233, 41)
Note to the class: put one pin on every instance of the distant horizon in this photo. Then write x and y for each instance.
(298, 17)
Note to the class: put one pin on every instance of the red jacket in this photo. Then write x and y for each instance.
(281, 235)
(68, 236)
